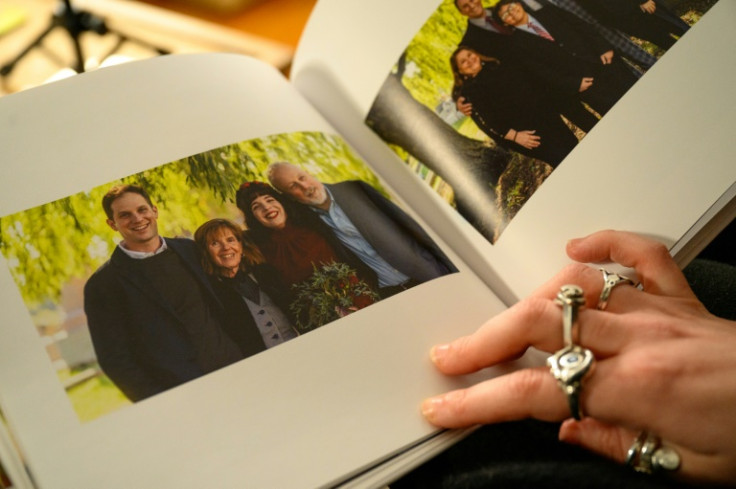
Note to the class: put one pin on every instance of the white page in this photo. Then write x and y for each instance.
(654, 164)
(304, 414)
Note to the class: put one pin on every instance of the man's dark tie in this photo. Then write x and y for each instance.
(496, 25)
(541, 32)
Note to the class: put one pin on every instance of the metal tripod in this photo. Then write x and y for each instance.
(75, 22)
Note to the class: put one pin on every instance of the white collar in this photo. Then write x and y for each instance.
(139, 255)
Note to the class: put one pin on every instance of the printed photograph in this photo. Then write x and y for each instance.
(490, 97)
(146, 283)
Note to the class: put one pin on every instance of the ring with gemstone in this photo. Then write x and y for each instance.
(572, 363)
(648, 455)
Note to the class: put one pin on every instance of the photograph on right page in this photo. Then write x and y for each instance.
(489, 97)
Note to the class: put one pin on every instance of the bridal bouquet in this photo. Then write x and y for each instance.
(331, 292)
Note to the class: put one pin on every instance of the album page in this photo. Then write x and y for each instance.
(659, 162)
(312, 411)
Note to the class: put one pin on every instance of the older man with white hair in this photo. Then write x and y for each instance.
(383, 236)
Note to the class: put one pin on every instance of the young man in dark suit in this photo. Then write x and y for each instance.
(487, 35)
(150, 309)
(565, 52)
(484, 33)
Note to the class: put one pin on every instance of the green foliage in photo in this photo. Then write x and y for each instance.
(56, 246)
(48, 245)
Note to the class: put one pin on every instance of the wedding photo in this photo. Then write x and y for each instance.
(146, 283)
(490, 97)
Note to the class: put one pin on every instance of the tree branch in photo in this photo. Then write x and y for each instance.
(472, 168)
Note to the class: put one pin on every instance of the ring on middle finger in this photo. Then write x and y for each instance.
(570, 364)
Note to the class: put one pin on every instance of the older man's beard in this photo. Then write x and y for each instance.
(317, 197)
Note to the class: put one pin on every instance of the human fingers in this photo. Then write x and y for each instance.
(633, 391)
(602, 438)
(531, 322)
(649, 7)
(617, 444)
(534, 322)
(592, 280)
(527, 393)
(657, 271)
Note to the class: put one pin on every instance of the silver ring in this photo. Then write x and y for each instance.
(610, 280)
(648, 455)
(570, 297)
(571, 364)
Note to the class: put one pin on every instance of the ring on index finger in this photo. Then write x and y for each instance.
(571, 364)
(610, 280)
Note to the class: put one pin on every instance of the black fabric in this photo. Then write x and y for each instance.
(523, 454)
(723, 247)
(573, 55)
(167, 273)
(487, 42)
(237, 320)
(139, 336)
(712, 275)
(248, 288)
(505, 98)
(628, 17)
(715, 285)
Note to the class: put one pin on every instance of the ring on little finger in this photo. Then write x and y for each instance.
(648, 455)
(571, 364)
(610, 280)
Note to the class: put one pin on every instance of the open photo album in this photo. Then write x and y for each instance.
(215, 276)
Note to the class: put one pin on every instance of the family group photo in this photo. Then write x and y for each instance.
(491, 96)
(143, 284)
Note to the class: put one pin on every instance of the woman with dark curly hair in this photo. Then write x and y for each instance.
(516, 111)
(295, 241)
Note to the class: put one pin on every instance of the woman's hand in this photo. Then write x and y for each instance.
(607, 57)
(648, 7)
(464, 106)
(585, 83)
(526, 138)
(664, 364)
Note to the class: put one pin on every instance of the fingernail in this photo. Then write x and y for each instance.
(569, 432)
(573, 242)
(431, 406)
(438, 353)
